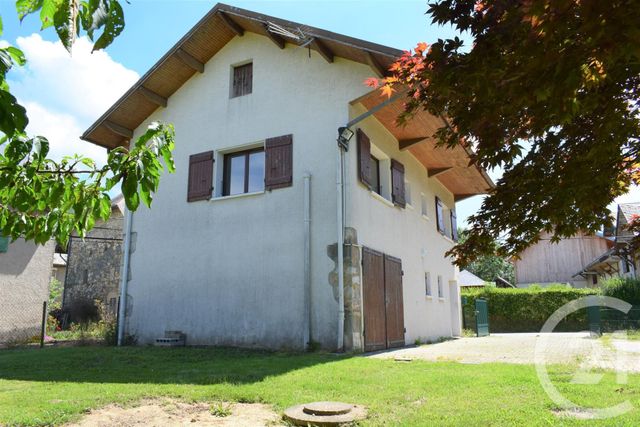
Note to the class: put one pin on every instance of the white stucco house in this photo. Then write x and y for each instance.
(270, 234)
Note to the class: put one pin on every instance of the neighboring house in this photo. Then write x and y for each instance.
(468, 279)
(546, 263)
(93, 268)
(25, 273)
(59, 267)
(241, 246)
(621, 259)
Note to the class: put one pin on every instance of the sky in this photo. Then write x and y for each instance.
(64, 94)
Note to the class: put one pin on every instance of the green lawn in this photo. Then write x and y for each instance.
(55, 385)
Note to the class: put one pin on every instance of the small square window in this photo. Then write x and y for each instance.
(243, 172)
(427, 283)
(242, 80)
(440, 290)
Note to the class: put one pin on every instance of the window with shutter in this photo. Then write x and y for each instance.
(439, 215)
(243, 172)
(454, 225)
(278, 162)
(364, 158)
(397, 183)
(200, 177)
(242, 80)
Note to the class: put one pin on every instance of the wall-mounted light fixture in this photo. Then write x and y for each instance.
(344, 135)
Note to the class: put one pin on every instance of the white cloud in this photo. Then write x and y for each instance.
(64, 93)
(63, 132)
(82, 84)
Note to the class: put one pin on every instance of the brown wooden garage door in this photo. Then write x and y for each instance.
(382, 295)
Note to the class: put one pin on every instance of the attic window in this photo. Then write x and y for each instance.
(242, 83)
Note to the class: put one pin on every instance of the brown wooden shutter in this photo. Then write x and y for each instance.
(397, 183)
(364, 158)
(373, 300)
(454, 225)
(439, 217)
(394, 306)
(242, 80)
(200, 177)
(278, 172)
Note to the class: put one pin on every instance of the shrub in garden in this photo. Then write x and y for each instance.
(627, 289)
(526, 310)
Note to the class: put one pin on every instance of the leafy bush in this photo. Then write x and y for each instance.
(526, 310)
(625, 289)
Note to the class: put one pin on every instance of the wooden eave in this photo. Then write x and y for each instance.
(452, 167)
(198, 46)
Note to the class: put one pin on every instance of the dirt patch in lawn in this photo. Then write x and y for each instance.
(162, 412)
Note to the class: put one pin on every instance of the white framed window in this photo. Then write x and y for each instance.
(382, 163)
(240, 170)
(407, 193)
(440, 290)
(427, 283)
(423, 205)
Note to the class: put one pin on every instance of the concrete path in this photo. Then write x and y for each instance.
(557, 348)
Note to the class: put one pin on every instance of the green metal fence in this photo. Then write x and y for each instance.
(604, 319)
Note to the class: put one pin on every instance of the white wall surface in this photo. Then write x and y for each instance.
(25, 273)
(230, 271)
(406, 234)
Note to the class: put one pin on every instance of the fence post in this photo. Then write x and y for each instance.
(43, 330)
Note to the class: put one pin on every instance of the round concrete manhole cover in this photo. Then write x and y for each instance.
(325, 414)
(327, 408)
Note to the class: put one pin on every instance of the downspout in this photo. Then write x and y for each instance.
(340, 221)
(343, 145)
(124, 277)
(307, 260)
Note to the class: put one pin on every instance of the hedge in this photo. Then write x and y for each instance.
(625, 289)
(526, 310)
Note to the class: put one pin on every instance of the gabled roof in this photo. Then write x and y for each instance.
(467, 278)
(626, 212)
(191, 53)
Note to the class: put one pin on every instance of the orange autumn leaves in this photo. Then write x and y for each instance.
(408, 70)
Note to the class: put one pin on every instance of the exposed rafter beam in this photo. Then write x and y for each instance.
(374, 64)
(118, 129)
(153, 97)
(406, 143)
(279, 41)
(231, 24)
(437, 171)
(190, 61)
(323, 50)
(459, 197)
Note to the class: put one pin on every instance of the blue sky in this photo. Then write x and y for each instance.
(65, 94)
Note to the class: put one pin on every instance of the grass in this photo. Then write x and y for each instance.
(56, 385)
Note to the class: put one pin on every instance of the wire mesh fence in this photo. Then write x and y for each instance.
(21, 321)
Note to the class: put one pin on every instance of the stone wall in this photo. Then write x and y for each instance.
(93, 270)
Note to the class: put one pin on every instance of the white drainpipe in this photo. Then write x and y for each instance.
(124, 277)
(307, 260)
(340, 218)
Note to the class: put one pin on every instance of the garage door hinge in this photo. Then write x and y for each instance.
(404, 330)
(402, 273)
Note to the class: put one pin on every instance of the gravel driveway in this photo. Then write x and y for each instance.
(519, 348)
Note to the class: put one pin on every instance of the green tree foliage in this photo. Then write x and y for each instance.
(549, 92)
(41, 198)
(489, 266)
